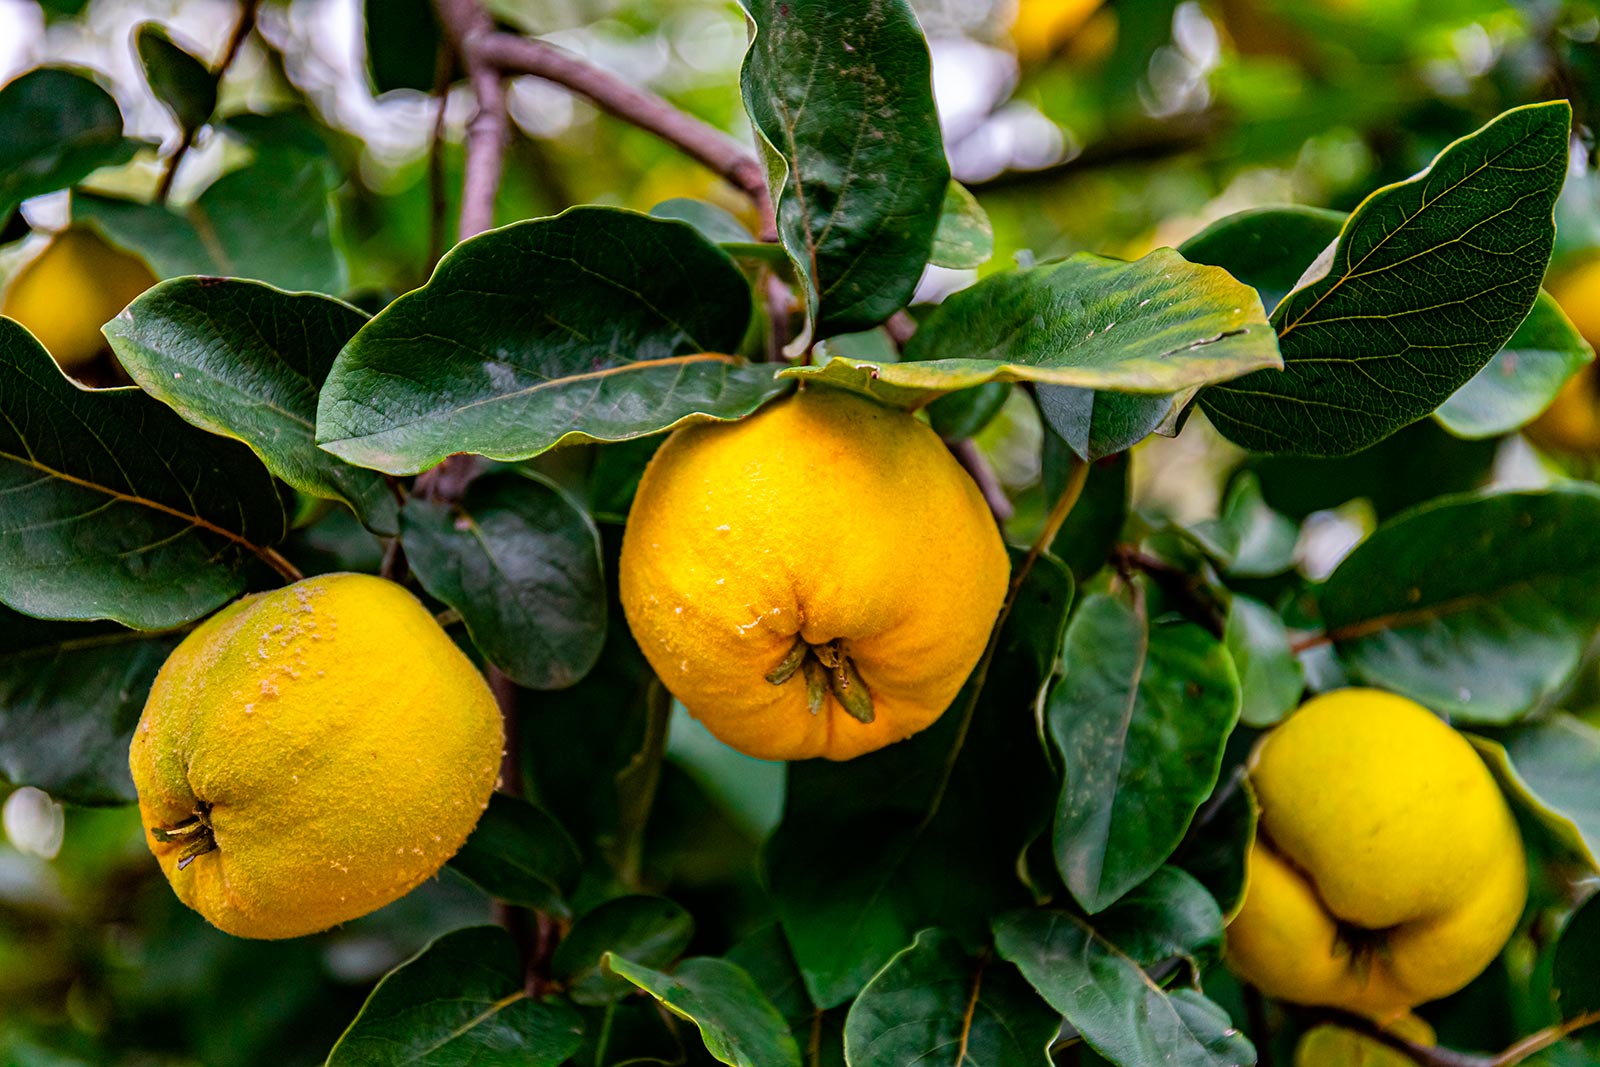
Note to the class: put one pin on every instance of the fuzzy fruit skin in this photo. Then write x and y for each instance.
(824, 515)
(1374, 814)
(72, 288)
(345, 745)
(1571, 424)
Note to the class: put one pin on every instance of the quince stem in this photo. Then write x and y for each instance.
(196, 830)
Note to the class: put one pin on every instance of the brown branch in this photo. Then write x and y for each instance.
(467, 23)
(230, 52)
(511, 54)
(977, 465)
(1187, 590)
(1438, 1056)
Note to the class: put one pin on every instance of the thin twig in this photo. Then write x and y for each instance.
(511, 54)
(976, 464)
(1076, 477)
(230, 52)
(443, 65)
(467, 24)
(275, 559)
(1186, 590)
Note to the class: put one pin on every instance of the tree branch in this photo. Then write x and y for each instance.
(467, 23)
(972, 459)
(510, 54)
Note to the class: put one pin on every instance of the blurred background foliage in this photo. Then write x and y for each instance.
(1115, 126)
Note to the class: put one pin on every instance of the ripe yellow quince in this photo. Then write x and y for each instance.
(815, 580)
(1571, 424)
(1040, 27)
(310, 754)
(1387, 869)
(74, 286)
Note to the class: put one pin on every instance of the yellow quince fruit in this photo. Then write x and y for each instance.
(1387, 869)
(1571, 424)
(75, 285)
(815, 580)
(310, 754)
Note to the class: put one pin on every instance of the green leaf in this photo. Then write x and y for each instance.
(1478, 605)
(246, 361)
(1098, 424)
(1139, 719)
(1576, 980)
(842, 95)
(70, 696)
(56, 128)
(115, 507)
(521, 562)
(714, 223)
(1267, 248)
(1428, 280)
(864, 855)
(403, 42)
(1550, 766)
(518, 853)
(934, 1005)
(459, 1003)
(651, 931)
(1271, 678)
(597, 324)
(1169, 915)
(1249, 539)
(1522, 378)
(1156, 325)
(180, 81)
(964, 239)
(1092, 528)
(271, 221)
(1217, 849)
(1101, 988)
(739, 1024)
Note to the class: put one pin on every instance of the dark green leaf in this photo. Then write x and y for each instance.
(597, 324)
(842, 96)
(1092, 528)
(403, 43)
(244, 360)
(864, 856)
(652, 931)
(1157, 325)
(1271, 678)
(739, 1024)
(115, 507)
(1267, 248)
(714, 223)
(56, 128)
(181, 81)
(521, 562)
(1250, 540)
(965, 237)
(1100, 424)
(1218, 846)
(70, 696)
(519, 854)
(1169, 915)
(1478, 606)
(934, 1005)
(459, 1004)
(271, 221)
(1576, 979)
(965, 413)
(1139, 719)
(1102, 990)
(1428, 280)
(1522, 378)
(1550, 767)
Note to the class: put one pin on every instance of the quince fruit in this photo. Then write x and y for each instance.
(77, 284)
(815, 580)
(1387, 869)
(310, 754)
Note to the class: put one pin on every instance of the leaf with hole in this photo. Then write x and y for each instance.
(1429, 279)
(460, 1003)
(597, 324)
(1477, 605)
(521, 562)
(933, 1004)
(842, 96)
(244, 360)
(1157, 325)
(738, 1023)
(1139, 720)
(115, 507)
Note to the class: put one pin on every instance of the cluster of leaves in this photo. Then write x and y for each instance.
(1045, 870)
